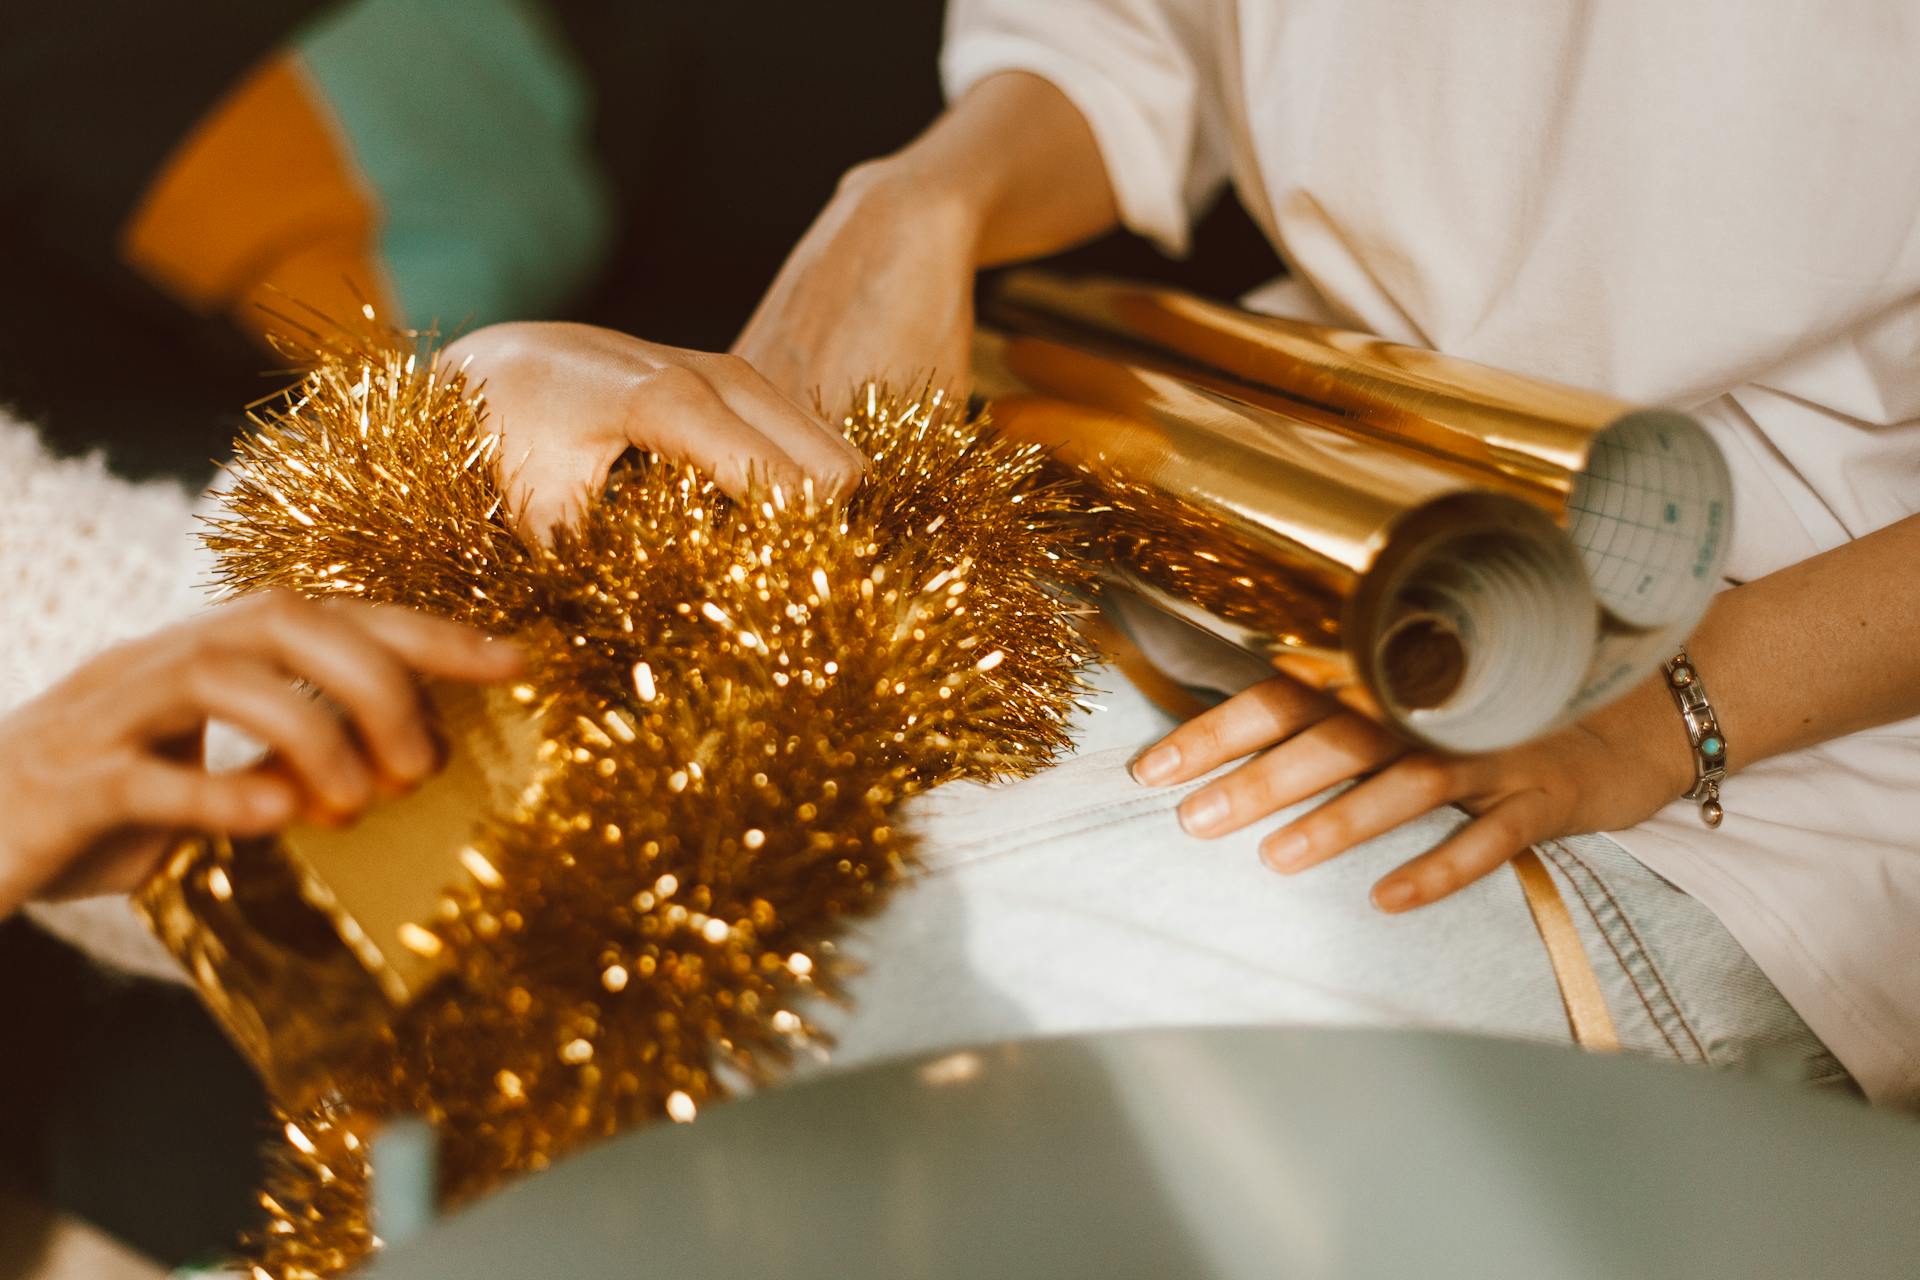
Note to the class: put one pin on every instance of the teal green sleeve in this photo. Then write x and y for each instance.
(472, 127)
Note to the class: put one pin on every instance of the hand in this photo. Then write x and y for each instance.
(100, 774)
(880, 287)
(1607, 772)
(569, 399)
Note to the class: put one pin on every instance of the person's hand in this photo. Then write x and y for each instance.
(569, 399)
(101, 772)
(1609, 771)
(880, 287)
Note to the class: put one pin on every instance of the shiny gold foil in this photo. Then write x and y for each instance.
(1412, 532)
(1503, 430)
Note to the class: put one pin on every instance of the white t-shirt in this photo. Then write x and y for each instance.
(1712, 204)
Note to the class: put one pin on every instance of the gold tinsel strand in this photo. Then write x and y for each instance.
(736, 695)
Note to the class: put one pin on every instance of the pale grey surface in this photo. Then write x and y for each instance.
(1228, 1153)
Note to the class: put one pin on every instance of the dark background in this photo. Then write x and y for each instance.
(724, 125)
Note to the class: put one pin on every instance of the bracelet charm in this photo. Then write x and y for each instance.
(1709, 744)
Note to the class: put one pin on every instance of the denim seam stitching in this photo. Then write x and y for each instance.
(988, 849)
(1091, 818)
(1652, 965)
(1558, 852)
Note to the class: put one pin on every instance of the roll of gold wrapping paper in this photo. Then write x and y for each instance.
(1468, 555)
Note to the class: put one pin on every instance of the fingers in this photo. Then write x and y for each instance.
(103, 774)
(1490, 840)
(821, 452)
(568, 399)
(370, 684)
(313, 743)
(553, 480)
(671, 411)
(362, 657)
(1333, 750)
(1404, 791)
(1318, 745)
(1398, 794)
(155, 794)
(434, 646)
(1254, 718)
(676, 412)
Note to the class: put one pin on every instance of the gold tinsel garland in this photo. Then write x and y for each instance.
(736, 697)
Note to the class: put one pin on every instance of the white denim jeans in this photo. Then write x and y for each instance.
(1073, 901)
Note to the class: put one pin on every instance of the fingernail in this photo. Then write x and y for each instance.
(1393, 895)
(1157, 766)
(1283, 851)
(1204, 813)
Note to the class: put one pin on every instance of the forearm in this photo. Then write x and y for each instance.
(1821, 649)
(1816, 651)
(1017, 163)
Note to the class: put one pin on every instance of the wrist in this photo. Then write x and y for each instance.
(950, 206)
(1013, 164)
(1644, 727)
(1706, 741)
(1670, 744)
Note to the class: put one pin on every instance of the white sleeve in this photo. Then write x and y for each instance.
(1143, 74)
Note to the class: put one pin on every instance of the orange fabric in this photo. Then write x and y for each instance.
(261, 207)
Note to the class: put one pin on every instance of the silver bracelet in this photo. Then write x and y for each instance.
(1703, 735)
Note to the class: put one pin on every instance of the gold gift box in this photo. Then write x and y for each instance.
(304, 946)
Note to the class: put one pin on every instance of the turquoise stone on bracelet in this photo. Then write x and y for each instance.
(1712, 745)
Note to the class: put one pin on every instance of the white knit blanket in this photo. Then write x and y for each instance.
(88, 559)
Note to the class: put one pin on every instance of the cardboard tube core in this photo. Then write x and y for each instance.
(1422, 661)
